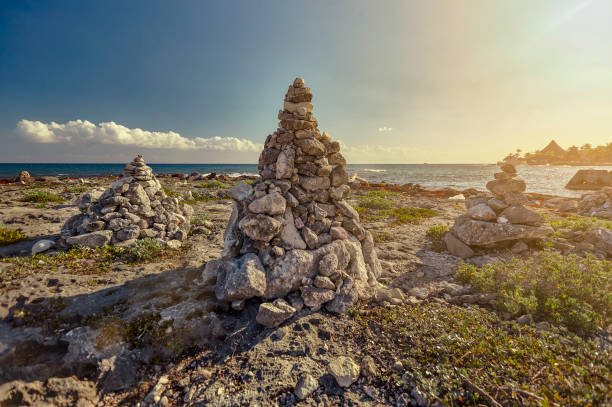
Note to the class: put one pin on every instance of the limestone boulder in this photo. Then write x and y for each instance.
(456, 247)
(482, 212)
(344, 370)
(502, 187)
(241, 279)
(271, 204)
(272, 314)
(93, 239)
(260, 227)
(521, 215)
(479, 233)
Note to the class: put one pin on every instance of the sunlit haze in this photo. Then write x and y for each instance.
(394, 81)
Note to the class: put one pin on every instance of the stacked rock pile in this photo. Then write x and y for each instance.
(292, 234)
(134, 207)
(496, 219)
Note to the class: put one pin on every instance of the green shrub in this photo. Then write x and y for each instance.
(440, 345)
(567, 290)
(10, 236)
(213, 185)
(41, 197)
(398, 216)
(579, 223)
(198, 220)
(436, 234)
(78, 189)
(170, 193)
(375, 202)
(145, 250)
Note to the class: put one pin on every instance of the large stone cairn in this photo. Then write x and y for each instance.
(134, 207)
(497, 219)
(292, 234)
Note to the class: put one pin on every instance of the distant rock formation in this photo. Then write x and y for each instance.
(497, 219)
(134, 207)
(292, 235)
(590, 179)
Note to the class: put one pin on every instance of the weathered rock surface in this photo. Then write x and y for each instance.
(480, 233)
(344, 370)
(272, 314)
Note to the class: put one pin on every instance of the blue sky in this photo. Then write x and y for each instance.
(395, 81)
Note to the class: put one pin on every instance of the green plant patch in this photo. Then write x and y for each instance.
(382, 237)
(436, 234)
(78, 189)
(214, 185)
(36, 187)
(398, 216)
(144, 250)
(446, 350)
(569, 290)
(170, 193)
(41, 197)
(10, 236)
(578, 223)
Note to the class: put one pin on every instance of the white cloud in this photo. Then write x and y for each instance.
(384, 129)
(78, 131)
(379, 154)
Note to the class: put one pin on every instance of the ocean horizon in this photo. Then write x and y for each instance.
(541, 179)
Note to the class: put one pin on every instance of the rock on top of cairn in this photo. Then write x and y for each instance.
(134, 207)
(292, 235)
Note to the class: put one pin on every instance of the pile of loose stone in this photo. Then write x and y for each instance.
(497, 219)
(134, 207)
(292, 237)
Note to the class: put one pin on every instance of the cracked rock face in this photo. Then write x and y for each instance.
(496, 219)
(295, 220)
(134, 207)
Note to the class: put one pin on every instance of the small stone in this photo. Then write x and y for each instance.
(324, 282)
(482, 212)
(298, 83)
(344, 370)
(306, 385)
(526, 319)
(368, 367)
(275, 313)
(419, 292)
(42, 245)
(328, 264)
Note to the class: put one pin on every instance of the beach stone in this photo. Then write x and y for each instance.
(241, 279)
(287, 273)
(260, 227)
(482, 212)
(339, 176)
(315, 297)
(310, 238)
(289, 235)
(271, 204)
(284, 164)
(311, 146)
(324, 282)
(504, 175)
(515, 198)
(344, 370)
(497, 204)
(456, 247)
(240, 191)
(42, 246)
(519, 247)
(508, 168)
(305, 386)
(502, 187)
(93, 239)
(345, 297)
(314, 183)
(521, 215)
(480, 233)
(272, 314)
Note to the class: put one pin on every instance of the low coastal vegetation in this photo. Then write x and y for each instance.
(78, 189)
(215, 185)
(377, 205)
(40, 196)
(436, 234)
(86, 261)
(566, 290)
(578, 223)
(468, 356)
(10, 236)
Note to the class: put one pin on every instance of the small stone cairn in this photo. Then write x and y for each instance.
(292, 238)
(497, 219)
(134, 207)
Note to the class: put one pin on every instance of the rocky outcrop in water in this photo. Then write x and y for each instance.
(496, 219)
(134, 207)
(292, 234)
(590, 179)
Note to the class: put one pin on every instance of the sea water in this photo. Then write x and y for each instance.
(543, 179)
